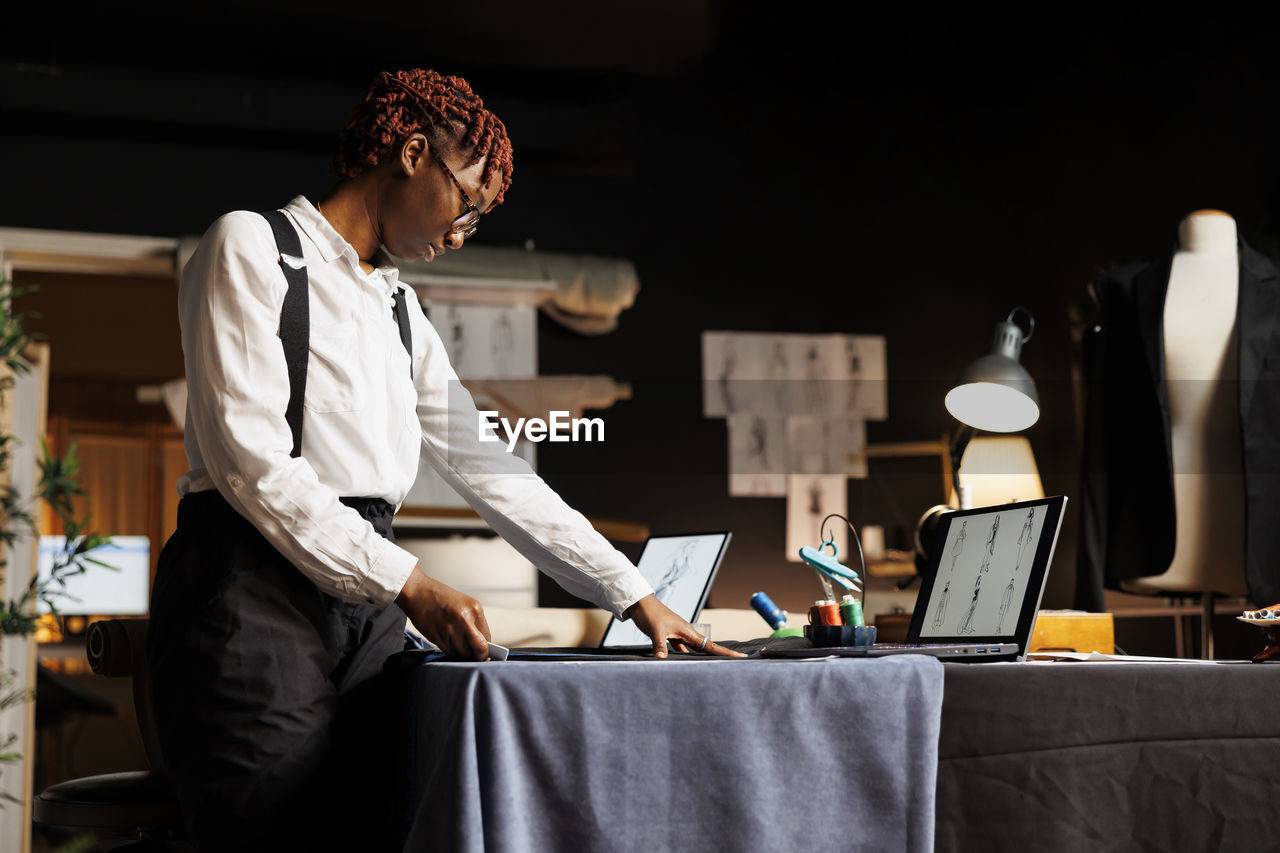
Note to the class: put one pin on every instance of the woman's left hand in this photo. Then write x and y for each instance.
(663, 625)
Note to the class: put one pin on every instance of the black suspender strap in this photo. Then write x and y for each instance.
(295, 319)
(402, 320)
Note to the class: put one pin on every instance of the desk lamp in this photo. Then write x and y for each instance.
(995, 393)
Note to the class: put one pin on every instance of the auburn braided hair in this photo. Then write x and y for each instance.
(445, 109)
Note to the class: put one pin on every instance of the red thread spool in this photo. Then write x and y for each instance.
(829, 612)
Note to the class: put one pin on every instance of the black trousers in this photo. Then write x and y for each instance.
(274, 724)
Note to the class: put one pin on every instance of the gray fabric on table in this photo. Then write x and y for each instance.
(672, 755)
(1109, 756)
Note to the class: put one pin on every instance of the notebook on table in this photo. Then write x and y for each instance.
(981, 589)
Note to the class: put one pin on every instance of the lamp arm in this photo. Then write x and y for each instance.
(958, 445)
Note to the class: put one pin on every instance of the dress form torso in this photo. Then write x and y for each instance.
(1201, 372)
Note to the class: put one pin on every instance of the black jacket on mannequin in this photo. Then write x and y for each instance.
(1127, 524)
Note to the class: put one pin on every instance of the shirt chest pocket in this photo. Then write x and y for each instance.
(333, 382)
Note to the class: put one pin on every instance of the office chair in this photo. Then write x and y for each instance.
(139, 807)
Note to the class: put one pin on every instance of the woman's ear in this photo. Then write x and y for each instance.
(414, 151)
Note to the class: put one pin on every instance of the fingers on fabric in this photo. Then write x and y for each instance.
(717, 649)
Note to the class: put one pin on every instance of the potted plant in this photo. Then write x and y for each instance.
(56, 484)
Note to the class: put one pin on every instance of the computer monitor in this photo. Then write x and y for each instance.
(100, 591)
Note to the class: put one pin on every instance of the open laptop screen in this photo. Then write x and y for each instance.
(680, 569)
(987, 571)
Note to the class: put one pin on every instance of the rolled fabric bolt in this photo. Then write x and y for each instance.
(768, 611)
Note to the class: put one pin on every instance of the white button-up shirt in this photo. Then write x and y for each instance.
(365, 421)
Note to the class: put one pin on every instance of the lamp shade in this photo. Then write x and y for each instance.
(995, 393)
(1000, 469)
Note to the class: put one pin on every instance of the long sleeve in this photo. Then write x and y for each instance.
(506, 492)
(238, 389)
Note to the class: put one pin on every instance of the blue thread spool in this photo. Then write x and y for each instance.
(768, 611)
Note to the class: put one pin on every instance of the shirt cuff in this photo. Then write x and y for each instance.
(626, 591)
(387, 575)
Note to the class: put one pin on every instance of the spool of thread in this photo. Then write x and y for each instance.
(851, 611)
(770, 612)
(828, 613)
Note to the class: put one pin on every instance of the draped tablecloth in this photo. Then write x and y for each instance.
(714, 755)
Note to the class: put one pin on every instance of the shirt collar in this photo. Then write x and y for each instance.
(333, 245)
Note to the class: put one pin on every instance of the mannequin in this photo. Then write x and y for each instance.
(1201, 372)
(1180, 484)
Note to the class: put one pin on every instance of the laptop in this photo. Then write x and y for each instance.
(680, 568)
(981, 589)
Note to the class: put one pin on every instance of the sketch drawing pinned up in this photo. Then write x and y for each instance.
(817, 445)
(956, 550)
(779, 372)
(488, 341)
(758, 444)
(864, 377)
(726, 374)
(454, 334)
(504, 338)
(812, 398)
(809, 500)
(966, 627)
(757, 456)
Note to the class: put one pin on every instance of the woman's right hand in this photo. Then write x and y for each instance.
(452, 620)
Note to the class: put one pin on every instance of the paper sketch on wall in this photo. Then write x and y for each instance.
(826, 446)
(488, 341)
(809, 500)
(866, 394)
(757, 455)
(824, 387)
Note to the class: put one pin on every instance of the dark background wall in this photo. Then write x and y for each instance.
(765, 169)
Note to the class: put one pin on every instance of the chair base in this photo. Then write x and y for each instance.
(136, 802)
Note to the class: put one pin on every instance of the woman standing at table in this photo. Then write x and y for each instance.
(282, 591)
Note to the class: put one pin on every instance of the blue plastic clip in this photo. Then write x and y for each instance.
(831, 567)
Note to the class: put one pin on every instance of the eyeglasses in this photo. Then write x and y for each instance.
(466, 224)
